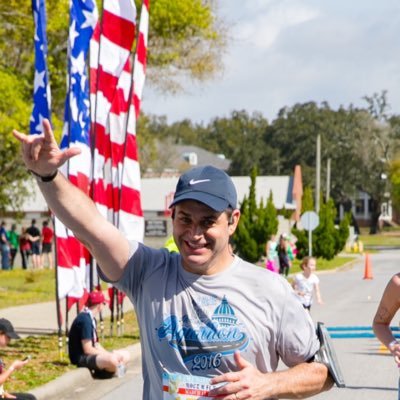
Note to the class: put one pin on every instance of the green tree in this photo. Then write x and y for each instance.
(256, 224)
(324, 236)
(307, 203)
(12, 115)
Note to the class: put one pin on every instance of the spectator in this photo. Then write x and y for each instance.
(7, 333)
(13, 239)
(84, 347)
(34, 238)
(283, 250)
(5, 247)
(24, 248)
(47, 242)
(307, 282)
(272, 254)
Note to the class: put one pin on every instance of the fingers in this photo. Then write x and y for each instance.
(20, 136)
(240, 361)
(48, 132)
(69, 153)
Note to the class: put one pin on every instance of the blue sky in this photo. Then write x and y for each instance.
(284, 52)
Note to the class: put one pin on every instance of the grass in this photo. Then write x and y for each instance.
(47, 363)
(384, 239)
(19, 287)
(324, 265)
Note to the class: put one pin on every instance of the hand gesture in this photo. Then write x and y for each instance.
(247, 383)
(41, 153)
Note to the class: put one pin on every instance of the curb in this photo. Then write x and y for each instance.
(80, 378)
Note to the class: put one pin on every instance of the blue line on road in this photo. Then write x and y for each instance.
(357, 328)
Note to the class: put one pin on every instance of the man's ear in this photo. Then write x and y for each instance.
(233, 221)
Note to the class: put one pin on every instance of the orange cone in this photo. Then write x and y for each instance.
(368, 268)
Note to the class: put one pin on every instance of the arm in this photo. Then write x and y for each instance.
(301, 381)
(318, 294)
(17, 364)
(387, 308)
(89, 349)
(106, 243)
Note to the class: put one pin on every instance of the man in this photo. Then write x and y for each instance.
(7, 333)
(47, 242)
(84, 347)
(34, 238)
(4, 247)
(202, 311)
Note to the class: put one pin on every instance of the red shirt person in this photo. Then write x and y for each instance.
(47, 243)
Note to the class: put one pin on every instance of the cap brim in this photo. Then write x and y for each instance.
(13, 335)
(213, 202)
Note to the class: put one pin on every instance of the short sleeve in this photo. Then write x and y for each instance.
(297, 339)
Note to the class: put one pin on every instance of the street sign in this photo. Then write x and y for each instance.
(309, 221)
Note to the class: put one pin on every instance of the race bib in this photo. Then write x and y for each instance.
(186, 387)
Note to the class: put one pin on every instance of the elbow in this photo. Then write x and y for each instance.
(323, 377)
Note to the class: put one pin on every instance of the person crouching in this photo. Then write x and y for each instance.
(84, 347)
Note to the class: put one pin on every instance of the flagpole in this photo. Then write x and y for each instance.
(58, 305)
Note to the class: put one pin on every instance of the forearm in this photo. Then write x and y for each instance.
(383, 332)
(78, 212)
(302, 381)
(6, 374)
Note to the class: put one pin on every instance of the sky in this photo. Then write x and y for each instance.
(284, 52)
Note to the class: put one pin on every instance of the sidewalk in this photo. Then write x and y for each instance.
(77, 384)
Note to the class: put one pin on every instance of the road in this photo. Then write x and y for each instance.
(349, 300)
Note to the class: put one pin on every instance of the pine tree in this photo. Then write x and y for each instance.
(256, 224)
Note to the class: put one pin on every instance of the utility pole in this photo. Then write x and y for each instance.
(318, 174)
(328, 180)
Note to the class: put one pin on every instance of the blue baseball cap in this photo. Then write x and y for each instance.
(208, 185)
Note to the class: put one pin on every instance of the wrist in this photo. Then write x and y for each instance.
(11, 369)
(45, 178)
(391, 345)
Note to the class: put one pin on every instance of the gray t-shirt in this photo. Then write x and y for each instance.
(192, 324)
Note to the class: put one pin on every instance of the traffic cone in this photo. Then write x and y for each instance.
(368, 268)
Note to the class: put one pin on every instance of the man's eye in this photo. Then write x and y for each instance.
(185, 221)
(209, 222)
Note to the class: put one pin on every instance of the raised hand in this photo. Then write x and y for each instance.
(41, 153)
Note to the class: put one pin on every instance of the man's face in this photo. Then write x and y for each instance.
(202, 236)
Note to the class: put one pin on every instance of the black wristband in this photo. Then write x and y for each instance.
(41, 178)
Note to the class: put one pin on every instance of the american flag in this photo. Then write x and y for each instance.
(41, 90)
(116, 175)
(131, 220)
(73, 259)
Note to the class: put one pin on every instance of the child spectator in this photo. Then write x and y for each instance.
(306, 282)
